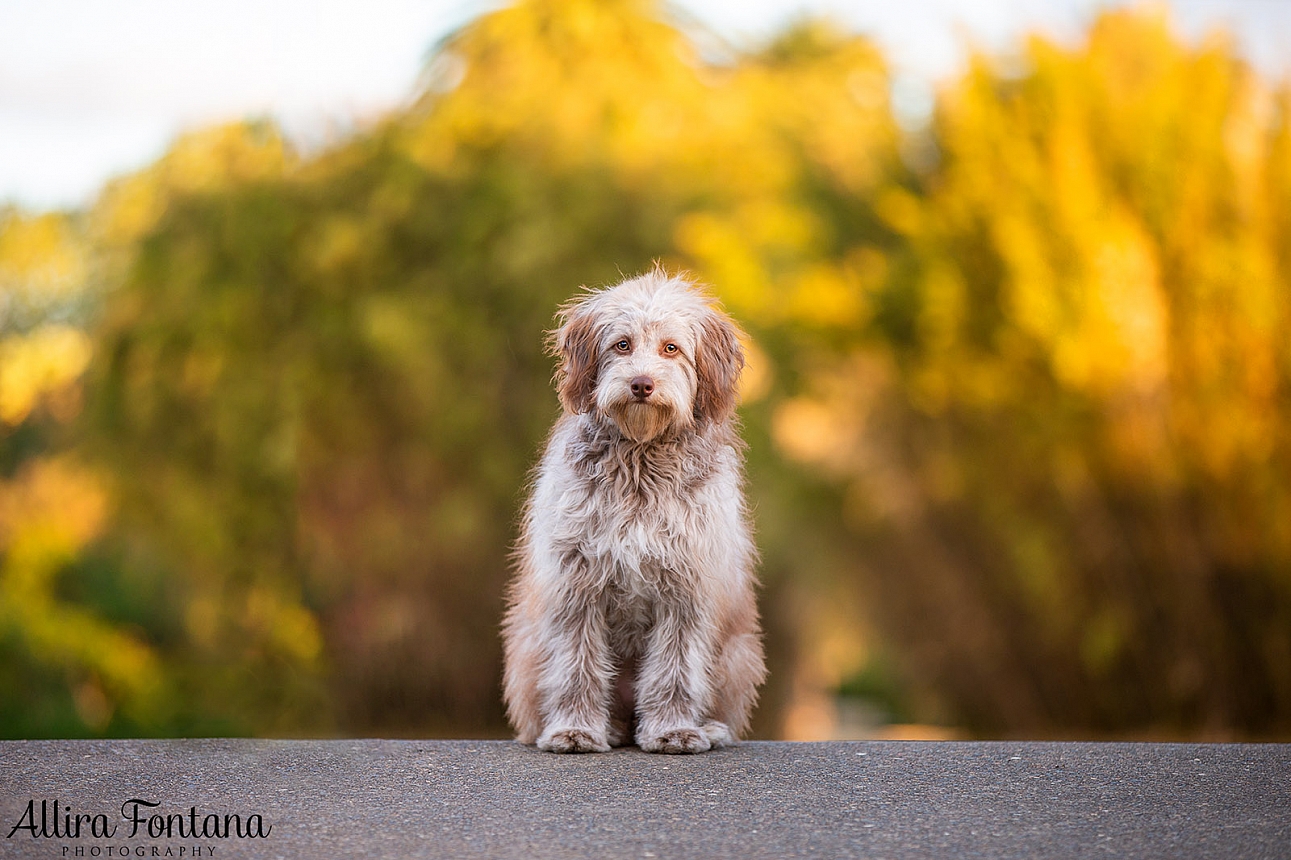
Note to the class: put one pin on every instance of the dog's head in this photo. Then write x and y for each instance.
(651, 355)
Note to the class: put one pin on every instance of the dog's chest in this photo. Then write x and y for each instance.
(644, 513)
(641, 533)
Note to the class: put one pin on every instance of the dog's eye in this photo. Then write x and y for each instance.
(670, 348)
(623, 346)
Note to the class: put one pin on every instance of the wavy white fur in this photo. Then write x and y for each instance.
(632, 615)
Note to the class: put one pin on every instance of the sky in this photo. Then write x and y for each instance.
(91, 89)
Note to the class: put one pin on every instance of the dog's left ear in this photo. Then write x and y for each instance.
(719, 358)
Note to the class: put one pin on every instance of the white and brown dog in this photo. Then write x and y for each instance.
(632, 616)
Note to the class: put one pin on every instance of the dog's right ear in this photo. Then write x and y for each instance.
(574, 343)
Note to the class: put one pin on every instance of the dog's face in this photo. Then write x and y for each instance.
(651, 355)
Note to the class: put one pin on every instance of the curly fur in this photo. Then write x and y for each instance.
(632, 615)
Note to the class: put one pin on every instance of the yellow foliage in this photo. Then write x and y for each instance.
(291, 628)
(600, 83)
(47, 514)
(34, 365)
(755, 381)
(1103, 180)
(41, 257)
(1046, 367)
(55, 500)
(200, 162)
(809, 431)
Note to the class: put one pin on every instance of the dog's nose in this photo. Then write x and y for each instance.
(642, 387)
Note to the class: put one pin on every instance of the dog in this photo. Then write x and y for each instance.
(632, 615)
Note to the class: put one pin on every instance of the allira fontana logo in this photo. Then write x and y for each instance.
(138, 819)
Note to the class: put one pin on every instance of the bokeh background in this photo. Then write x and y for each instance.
(1018, 403)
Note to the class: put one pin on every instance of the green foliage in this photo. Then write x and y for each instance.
(1017, 422)
(320, 383)
(67, 669)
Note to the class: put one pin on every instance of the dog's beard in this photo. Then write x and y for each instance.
(643, 421)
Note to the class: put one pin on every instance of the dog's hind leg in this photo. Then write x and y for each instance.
(738, 671)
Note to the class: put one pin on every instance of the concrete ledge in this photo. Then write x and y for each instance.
(495, 799)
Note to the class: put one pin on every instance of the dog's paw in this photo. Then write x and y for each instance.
(719, 734)
(573, 741)
(675, 741)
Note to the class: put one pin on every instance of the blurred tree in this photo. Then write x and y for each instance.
(1066, 438)
(65, 667)
(320, 383)
(1038, 382)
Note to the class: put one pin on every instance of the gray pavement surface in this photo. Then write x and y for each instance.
(496, 799)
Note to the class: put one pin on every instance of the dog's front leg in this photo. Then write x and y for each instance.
(673, 690)
(575, 685)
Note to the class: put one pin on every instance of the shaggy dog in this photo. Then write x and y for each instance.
(632, 614)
